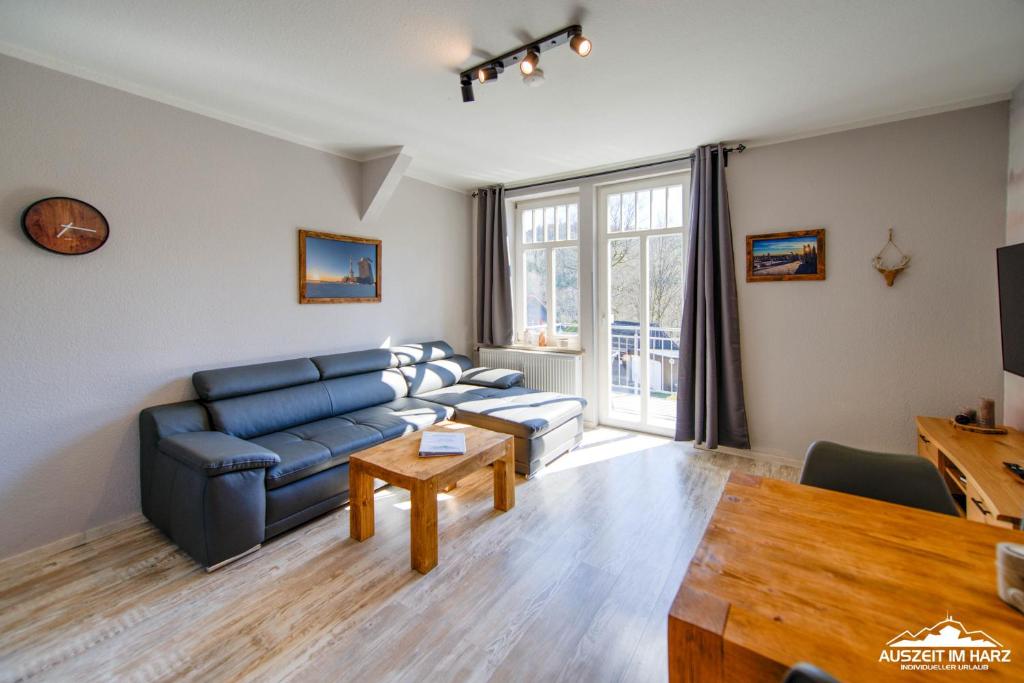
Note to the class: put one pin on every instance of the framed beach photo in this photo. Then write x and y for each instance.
(338, 269)
(796, 255)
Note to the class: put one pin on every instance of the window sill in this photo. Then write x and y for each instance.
(538, 349)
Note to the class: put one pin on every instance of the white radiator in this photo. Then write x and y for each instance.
(544, 370)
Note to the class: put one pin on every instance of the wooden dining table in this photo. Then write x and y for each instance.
(787, 573)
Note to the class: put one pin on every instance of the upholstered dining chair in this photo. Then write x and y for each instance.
(803, 672)
(902, 479)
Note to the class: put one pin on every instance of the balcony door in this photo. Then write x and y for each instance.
(642, 241)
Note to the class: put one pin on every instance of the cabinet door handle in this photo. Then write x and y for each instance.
(924, 438)
(980, 507)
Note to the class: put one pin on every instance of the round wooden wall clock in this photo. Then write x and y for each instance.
(65, 226)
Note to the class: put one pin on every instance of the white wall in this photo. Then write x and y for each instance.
(1013, 384)
(849, 359)
(200, 271)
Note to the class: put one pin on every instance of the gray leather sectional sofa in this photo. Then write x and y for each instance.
(265, 447)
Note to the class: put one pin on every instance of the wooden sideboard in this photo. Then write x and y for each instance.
(972, 465)
(788, 573)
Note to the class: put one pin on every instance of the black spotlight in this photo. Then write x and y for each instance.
(580, 44)
(485, 74)
(529, 63)
(467, 90)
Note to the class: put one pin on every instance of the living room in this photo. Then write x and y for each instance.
(710, 312)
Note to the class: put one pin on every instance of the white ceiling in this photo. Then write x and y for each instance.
(359, 78)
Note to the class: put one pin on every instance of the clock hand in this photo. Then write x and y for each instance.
(72, 226)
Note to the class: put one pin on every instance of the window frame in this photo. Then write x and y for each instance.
(605, 236)
(519, 281)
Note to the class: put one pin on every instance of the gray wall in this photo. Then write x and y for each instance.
(200, 271)
(1013, 384)
(850, 359)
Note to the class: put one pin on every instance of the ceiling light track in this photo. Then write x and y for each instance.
(527, 57)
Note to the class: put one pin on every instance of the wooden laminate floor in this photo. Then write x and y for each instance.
(573, 584)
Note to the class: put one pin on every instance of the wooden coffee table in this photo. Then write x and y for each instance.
(398, 463)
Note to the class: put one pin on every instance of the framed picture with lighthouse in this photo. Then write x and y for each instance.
(338, 269)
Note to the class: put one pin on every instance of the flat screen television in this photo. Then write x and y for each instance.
(1010, 263)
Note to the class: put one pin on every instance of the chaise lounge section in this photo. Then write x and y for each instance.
(265, 447)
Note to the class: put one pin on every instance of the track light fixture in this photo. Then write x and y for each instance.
(489, 73)
(527, 57)
(467, 90)
(580, 44)
(529, 63)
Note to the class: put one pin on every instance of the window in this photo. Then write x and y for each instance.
(547, 257)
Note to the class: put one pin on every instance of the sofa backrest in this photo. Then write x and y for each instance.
(253, 400)
(436, 374)
(410, 354)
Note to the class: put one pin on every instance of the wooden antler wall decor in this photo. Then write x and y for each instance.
(890, 273)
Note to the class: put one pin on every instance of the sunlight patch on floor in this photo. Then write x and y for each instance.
(604, 443)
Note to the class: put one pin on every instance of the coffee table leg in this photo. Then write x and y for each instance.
(505, 479)
(360, 491)
(423, 529)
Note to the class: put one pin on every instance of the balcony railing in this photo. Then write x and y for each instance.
(626, 366)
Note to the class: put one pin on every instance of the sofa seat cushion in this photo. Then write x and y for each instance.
(401, 416)
(339, 435)
(299, 458)
(315, 447)
(527, 415)
(457, 394)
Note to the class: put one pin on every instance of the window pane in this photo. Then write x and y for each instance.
(658, 207)
(560, 221)
(614, 213)
(549, 223)
(625, 301)
(643, 210)
(629, 211)
(675, 206)
(665, 297)
(574, 228)
(535, 265)
(538, 225)
(527, 222)
(567, 290)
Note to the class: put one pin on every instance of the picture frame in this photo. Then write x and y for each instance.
(338, 269)
(784, 256)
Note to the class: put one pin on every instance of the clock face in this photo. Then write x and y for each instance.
(65, 226)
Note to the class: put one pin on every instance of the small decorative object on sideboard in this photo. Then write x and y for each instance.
(986, 412)
(889, 272)
(981, 421)
(966, 416)
(65, 226)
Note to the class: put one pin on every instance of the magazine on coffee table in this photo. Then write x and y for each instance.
(440, 443)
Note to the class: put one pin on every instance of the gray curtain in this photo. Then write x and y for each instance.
(494, 285)
(710, 408)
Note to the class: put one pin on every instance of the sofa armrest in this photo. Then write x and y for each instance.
(492, 378)
(214, 453)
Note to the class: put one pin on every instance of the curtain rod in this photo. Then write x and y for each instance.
(738, 149)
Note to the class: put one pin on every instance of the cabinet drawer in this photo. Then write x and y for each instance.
(927, 449)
